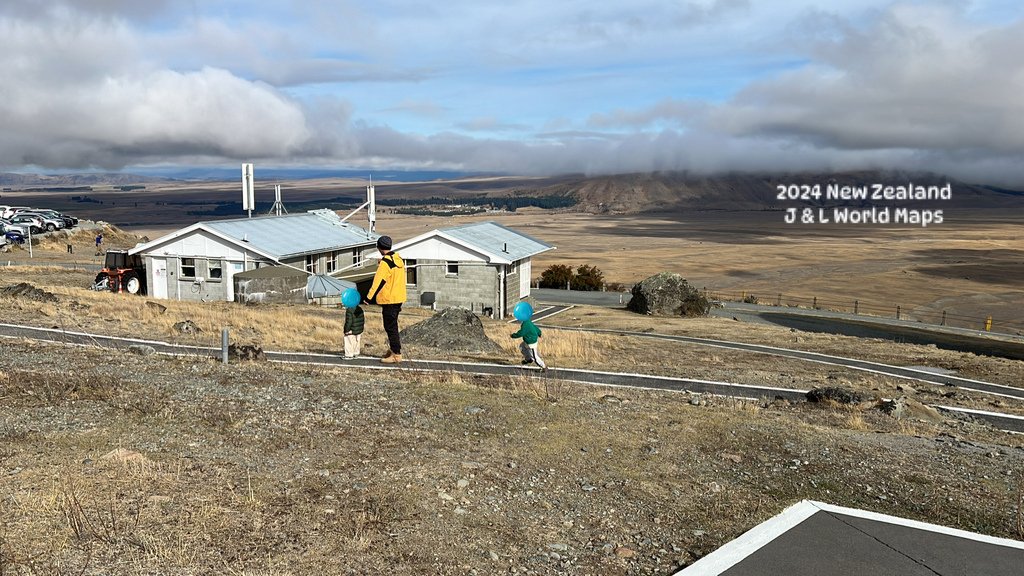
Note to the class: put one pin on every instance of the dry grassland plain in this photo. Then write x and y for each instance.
(114, 463)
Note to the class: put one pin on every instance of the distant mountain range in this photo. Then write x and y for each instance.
(631, 193)
(622, 193)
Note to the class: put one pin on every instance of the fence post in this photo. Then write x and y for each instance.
(943, 322)
(897, 311)
(224, 346)
(856, 306)
(988, 324)
(815, 303)
(778, 301)
(567, 284)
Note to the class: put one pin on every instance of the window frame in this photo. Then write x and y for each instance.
(411, 272)
(182, 266)
(449, 264)
(210, 267)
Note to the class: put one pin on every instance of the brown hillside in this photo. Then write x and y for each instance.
(633, 193)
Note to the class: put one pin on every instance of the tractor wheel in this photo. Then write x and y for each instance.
(102, 282)
(131, 283)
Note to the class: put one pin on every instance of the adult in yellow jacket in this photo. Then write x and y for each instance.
(388, 290)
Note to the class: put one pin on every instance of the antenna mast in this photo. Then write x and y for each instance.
(278, 206)
(371, 211)
(248, 189)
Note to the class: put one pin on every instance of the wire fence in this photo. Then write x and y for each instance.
(986, 322)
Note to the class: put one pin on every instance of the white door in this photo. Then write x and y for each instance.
(158, 287)
(233, 268)
(525, 269)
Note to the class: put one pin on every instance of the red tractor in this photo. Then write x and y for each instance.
(122, 273)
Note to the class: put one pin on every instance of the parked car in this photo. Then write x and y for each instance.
(50, 223)
(6, 225)
(69, 221)
(8, 212)
(11, 233)
(35, 223)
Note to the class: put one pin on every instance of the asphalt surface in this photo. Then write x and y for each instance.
(850, 543)
(826, 321)
(867, 366)
(1002, 421)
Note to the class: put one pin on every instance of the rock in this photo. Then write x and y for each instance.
(835, 394)
(494, 555)
(474, 410)
(894, 408)
(451, 329)
(731, 457)
(462, 484)
(123, 455)
(667, 294)
(187, 327)
(559, 547)
(29, 292)
(623, 552)
(904, 407)
(142, 349)
(246, 352)
(156, 306)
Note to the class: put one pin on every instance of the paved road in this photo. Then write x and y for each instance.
(1003, 421)
(947, 337)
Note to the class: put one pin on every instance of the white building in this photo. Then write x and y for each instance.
(199, 262)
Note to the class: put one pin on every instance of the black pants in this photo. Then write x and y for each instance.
(390, 315)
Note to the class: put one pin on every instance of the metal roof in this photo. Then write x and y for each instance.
(294, 234)
(499, 240)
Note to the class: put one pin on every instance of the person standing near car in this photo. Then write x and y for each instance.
(388, 290)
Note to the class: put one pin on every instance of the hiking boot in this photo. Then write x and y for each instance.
(387, 354)
(392, 359)
(525, 362)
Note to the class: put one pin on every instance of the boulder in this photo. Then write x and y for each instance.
(251, 352)
(667, 294)
(836, 394)
(454, 329)
(187, 327)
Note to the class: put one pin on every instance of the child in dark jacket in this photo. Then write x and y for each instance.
(530, 335)
(354, 323)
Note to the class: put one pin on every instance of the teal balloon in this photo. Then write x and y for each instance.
(350, 298)
(522, 311)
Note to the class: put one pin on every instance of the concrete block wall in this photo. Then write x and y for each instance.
(179, 288)
(474, 288)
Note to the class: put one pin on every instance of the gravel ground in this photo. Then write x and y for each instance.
(115, 463)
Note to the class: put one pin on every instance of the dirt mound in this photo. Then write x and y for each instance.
(667, 294)
(451, 329)
(28, 291)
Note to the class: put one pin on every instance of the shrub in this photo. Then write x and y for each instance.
(588, 278)
(556, 276)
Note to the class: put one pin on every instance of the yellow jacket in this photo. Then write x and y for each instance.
(389, 281)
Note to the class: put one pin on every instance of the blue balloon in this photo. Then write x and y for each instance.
(350, 298)
(522, 311)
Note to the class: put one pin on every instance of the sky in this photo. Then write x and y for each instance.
(519, 86)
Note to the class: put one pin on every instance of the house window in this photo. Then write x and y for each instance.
(410, 272)
(332, 262)
(188, 267)
(451, 269)
(313, 264)
(357, 257)
(216, 270)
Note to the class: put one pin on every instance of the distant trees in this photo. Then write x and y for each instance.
(587, 278)
(556, 276)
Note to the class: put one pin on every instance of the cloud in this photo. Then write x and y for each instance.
(537, 90)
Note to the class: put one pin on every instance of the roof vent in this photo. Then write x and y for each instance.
(245, 238)
(505, 248)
